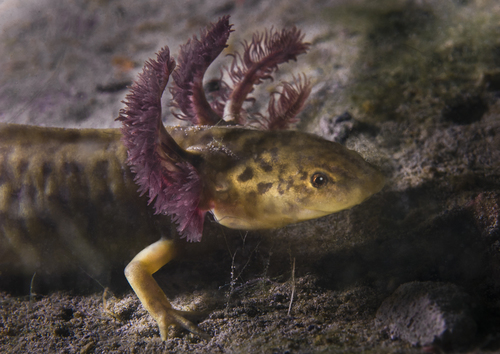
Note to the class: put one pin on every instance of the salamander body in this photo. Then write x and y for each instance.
(69, 189)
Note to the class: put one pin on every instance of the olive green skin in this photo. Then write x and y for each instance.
(266, 179)
(68, 202)
(68, 198)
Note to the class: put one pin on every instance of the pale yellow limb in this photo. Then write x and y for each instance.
(139, 273)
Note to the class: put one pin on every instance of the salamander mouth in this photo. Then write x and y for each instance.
(310, 213)
(353, 197)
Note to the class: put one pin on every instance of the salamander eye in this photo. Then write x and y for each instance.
(318, 180)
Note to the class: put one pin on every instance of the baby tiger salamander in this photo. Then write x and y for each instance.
(246, 178)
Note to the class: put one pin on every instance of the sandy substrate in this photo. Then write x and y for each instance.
(421, 82)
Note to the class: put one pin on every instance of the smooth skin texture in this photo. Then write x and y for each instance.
(252, 180)
(139, 273)
(257, 180)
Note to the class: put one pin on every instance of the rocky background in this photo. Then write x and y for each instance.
(414, 86)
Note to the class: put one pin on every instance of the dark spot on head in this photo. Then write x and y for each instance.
(264, 187)
(303, 175)
(246, 175)
(265, 166)
(251, 197)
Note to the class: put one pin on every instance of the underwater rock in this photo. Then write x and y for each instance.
(430, 313)
(338, 128)
(464, 109)
(486, 212)
(342, 127)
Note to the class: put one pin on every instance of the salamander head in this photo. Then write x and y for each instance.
(287, 177)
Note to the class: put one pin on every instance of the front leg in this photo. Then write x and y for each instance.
(139, 273)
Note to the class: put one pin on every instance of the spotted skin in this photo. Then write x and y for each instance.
(66, 197)
(262, 179)
(61, 190)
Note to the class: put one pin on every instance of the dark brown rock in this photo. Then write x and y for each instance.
(428, 313)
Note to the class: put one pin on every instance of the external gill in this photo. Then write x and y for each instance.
(164, 170)
(259, 61)
(247, 178)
